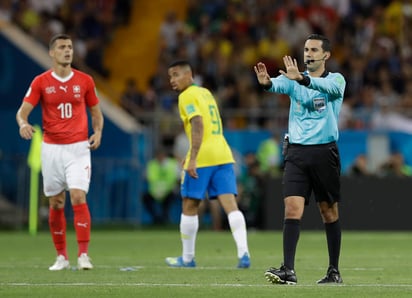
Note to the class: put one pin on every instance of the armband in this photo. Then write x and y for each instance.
(305, 81)
(267, 87)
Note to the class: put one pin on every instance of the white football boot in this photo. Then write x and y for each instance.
(60, 264)
(83, 262)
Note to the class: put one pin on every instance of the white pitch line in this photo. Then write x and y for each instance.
(137, 268)
(193, 285)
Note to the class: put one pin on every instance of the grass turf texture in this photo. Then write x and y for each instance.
(373, 264)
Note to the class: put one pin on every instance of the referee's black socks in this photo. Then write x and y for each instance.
(291, 231)
(333, 237)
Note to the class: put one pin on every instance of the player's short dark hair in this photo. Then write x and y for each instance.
(326, 46)
(56, 37)
(181, 63)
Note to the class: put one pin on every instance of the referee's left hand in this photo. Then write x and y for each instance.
(292, 70)
(262, 74)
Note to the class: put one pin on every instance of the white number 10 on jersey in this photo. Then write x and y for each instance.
(66, 110)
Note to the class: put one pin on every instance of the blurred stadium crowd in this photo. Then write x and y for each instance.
(90, 23)
(223, 39)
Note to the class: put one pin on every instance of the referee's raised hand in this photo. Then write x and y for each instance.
(262, 74)
(292, 70)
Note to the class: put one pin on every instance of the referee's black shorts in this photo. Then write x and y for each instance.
(312, 168)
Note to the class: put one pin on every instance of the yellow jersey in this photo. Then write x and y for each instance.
(214, 150)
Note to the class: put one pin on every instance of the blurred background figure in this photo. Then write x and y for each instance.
(395, 166)
(251, 194)
(180, 146)
(162, 175)
(213, 209)
(132, 99)
(268, 156)
(359, 166)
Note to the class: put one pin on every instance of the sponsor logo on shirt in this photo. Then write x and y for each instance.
(319, 104)
(50, 90)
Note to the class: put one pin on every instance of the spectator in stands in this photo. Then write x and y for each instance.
(342, 7)
(221, 37)
(406, 96)
(229, 93)
(132, 99)
(50, 7)
(94, 32)
(90, 23)
(162, 175)
(6, 10)
(180, 145)
(294, 30)
(48, 26)
(273, 48)
(384, 56)
(26, 16)
(385, 118)
(122, 12)
(322, 18)
(169, 30)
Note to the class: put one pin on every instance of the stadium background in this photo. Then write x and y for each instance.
(118, 171)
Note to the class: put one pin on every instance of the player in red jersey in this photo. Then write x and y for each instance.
(64, 95)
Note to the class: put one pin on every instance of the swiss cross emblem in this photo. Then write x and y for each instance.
(76, 89)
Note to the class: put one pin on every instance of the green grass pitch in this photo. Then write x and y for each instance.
(130, 263)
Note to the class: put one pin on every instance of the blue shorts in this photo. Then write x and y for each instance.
(214, 181)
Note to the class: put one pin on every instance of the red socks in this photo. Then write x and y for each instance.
(82, 224)
(57, 225)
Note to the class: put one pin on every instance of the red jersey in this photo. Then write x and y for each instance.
(63, 102)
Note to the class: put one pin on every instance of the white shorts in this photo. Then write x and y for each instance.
(65, 166)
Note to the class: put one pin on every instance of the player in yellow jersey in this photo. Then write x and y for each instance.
(208, 167)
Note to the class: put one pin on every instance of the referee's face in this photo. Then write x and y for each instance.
(313, 51)
(180, 77)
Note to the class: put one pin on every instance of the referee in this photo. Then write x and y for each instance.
(312, 162)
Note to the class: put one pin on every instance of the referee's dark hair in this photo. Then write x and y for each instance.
(326, 46)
